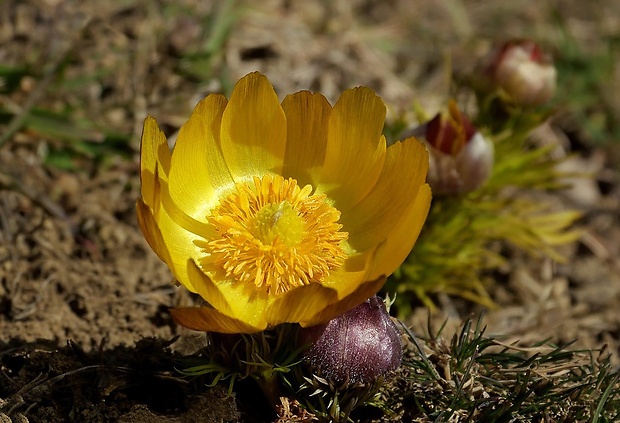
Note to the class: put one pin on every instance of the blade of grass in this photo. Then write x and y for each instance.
(49, 73)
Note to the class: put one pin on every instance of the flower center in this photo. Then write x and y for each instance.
(279, 222)
(275, 235)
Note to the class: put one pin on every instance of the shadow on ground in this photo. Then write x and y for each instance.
(43, 382)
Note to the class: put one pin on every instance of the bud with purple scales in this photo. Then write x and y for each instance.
(358, 346)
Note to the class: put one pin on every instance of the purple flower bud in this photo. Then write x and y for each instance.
(358, 346)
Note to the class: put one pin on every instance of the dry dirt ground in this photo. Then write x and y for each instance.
(85, 332)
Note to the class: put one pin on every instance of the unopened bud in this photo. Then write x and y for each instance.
(358, 346)
(524, 72)
(461, 159)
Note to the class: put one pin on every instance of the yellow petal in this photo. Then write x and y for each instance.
(364, 291)
(169, 241)
(307, 117)
(356, 149)
(300, 304)
(172, 243)
(178, 242)
(210, 320)
(244, 301)
(197, 169)
(151, 231)
(354, 272)
(201, 229)
(154, 160)
(207, 289)
(253, 133)
(401, 240)
(405, 169)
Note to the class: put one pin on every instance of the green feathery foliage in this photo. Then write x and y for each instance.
(458, 246)
(476, 377)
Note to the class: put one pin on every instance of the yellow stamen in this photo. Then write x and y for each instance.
(274, 234)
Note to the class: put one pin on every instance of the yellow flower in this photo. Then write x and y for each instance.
(274, 213)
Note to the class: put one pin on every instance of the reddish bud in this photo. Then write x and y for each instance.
(358, 346)
(524, 72)
(449, 132)
(461, 159)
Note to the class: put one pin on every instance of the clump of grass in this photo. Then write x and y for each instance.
(476, 377)
(329, 402)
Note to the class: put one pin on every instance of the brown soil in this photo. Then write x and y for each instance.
(85, 332)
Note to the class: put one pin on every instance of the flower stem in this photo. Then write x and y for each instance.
(268, 383)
